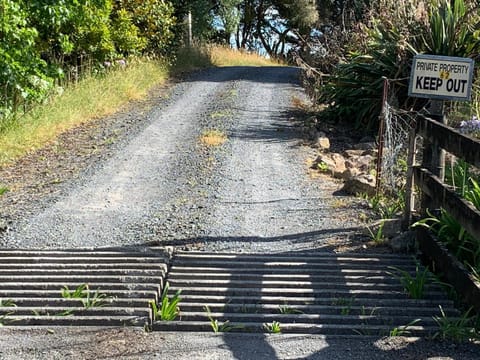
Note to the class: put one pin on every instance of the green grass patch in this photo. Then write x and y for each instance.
(93, 98)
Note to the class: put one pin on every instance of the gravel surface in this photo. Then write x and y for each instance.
(158, 183)
(137, 344)
(144, 176)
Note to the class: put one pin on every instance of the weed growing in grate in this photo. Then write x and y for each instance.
(273, 328)
(88, 298)
(403, 330)
(218, 327)
(285, 309)
(413, 285)
(457, 329)
(169, 309)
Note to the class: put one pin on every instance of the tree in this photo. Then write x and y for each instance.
(22, 71)
(275, 25)
(154, 20)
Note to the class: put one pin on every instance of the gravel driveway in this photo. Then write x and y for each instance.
(162, 184)
(159, 183)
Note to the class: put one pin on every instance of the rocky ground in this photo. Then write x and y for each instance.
(153, 174)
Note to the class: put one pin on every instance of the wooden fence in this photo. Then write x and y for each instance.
(435, 194)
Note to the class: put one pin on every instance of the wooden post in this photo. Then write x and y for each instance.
(190, 33)
(438, 154)
(410, 185)
(433, 155)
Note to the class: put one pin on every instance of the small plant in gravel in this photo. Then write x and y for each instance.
(460, 329)
(403, 330)
(88, 298)
(322, 167)
(413, 285)
(383, 206)
(218, 327)
(377, 237)
(3, 189)
(168, 309)
(273, 328)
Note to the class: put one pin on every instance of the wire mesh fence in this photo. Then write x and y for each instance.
(394, 142)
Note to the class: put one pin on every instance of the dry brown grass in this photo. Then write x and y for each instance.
(213, 138)
(224, 56)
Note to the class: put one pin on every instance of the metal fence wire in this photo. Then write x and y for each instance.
(394, 141)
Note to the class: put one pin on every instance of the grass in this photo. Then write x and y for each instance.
(403, 330)
(88, 298)
(273, 328)
(168, 309)
(224, 56)
(415, 285)
(218, 327)
(99, 96)
(285, 309)
(93, 98)
(213, 138)
(457, 329)
(3, 189)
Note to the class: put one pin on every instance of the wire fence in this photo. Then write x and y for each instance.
(394, 141)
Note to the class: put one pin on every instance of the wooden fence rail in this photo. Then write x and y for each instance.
(436, 194)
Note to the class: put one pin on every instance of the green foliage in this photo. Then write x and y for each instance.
(448, 230)
(273, 328)
(383, 46)
(385, 207)
(453, 29)
(22, 71)
(403, 330)
(3, 190)
(377, 236)
(285, 309)
(169, 309)
(413, 285)
(218, 327)
(125, 35)
(7, 303)
(155, 21)
(459, 329)
(45, 42)
(88, 298)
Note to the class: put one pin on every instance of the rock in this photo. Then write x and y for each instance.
(352, 153)
(404, 242)
(349, 173)
(362, 184)
(365, 163)
(323, 143)
(333, 161)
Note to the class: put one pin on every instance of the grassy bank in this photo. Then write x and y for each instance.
(99, 96)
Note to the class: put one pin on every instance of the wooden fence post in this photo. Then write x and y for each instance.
(433, 155)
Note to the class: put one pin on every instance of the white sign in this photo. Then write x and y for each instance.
(441, 77)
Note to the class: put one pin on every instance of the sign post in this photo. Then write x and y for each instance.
(437, 78)
(441, 77)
